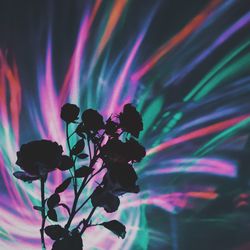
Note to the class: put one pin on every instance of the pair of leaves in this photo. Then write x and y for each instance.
(115, 227)
(25, 177)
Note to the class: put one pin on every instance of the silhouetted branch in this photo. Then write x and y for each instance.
(117, 156)
(43, 212)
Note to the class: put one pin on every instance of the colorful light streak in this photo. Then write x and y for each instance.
(119, 81)
(177, 39)
(199, 133)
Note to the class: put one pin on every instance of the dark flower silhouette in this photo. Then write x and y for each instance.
(134, 150)
(118, 155)
(69, 112)
(121, 179)
(123, 174)
(113, 151)
(113, 186)
(130, 120)
(111, 128)
(39, 157)
(119, 152)
(105, 199)
(92, 120)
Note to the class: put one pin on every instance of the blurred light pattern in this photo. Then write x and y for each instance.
(193, 92)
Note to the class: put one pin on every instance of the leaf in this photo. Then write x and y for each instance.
(52, 214)
(53, 200)
(66, 163)
(38, 208)
(112, 203)
(63, 185)
(55, 232)
(78, 148)
(83, 171)
(23, 176)
(82, 156)
(107, 200)
(116, 227)
(80, 130)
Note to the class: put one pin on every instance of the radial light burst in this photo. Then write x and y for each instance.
(193, 90)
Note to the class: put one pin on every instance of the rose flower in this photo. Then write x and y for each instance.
(39, 157)
(69, 112)
(120, 179)
(130, 120)
(92, 120)
(117, 151)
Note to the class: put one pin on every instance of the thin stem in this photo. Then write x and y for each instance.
(64, 206)
(86, 185)
(43, 212)
(83, 185)
(69, 147)
(94, 225)
(72, 134)
(83, 204)
(87, 220)
(67, 135)
(78, 209)
(90, 156)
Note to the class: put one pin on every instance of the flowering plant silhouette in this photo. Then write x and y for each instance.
(110, 143)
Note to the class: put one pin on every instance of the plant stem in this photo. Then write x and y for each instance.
(87, 220)
(43, 213)
(78, 209)
(77, 195)
(74, 167)
(90, 156)
(85, 185)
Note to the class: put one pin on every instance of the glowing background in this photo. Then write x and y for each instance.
(185, 64)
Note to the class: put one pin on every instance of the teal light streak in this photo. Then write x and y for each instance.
(230, 71)
(221, 137)
(214, 71)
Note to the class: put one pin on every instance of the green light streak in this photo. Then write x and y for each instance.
(4, 234)
(172, 122)
(213, 72)
(220, 138)
(230, 71)
(151, 113)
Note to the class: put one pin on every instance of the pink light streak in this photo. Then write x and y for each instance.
(70, 85)
(198, 133)
(113, 104)
(193, 25)
(172, 201)
(195, 165)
